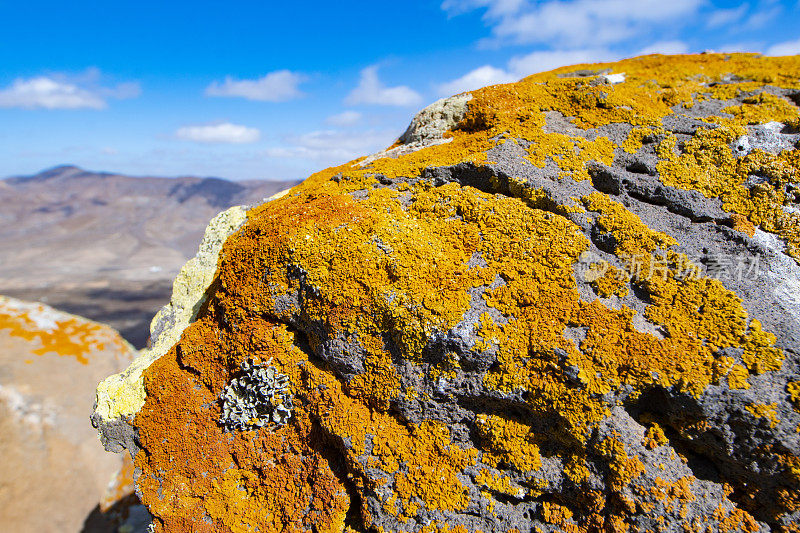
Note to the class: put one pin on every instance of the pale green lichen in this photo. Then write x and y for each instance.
(122, 395)
(258, 397)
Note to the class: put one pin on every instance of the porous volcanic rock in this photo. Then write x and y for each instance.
(53, 469)
(570, 303)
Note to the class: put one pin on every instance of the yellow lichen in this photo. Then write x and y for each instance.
(768, 411)
(793, 388)
(607, 280)
(707, 164)
(635, 139)
(634, 239)
(385, 269)
(737, 378)
(508, 442)
(762, 108)
(655, 437)
(499, 483)
(571, 154)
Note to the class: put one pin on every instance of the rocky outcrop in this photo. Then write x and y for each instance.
(572, 305)
(53, 470)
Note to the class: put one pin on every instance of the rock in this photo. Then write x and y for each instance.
(53, 469)
(579, 313)
(120, 508)
(121, 395)
(427, 129)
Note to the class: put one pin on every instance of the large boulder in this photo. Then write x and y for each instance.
(570, 303)
(53, 470)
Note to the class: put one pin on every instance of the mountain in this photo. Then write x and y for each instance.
(88, 241)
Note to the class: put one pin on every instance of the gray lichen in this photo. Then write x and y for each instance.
(260, 396)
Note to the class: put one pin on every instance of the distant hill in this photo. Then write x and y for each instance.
(82, 241)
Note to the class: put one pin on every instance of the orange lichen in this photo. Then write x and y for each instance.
(741, 223)
(789, 494)
(508, 442)
(431, 464)
(734, 520)
(236, 489)
(680, 490)
(498, 483)
(768, 411)
(622, 468)
(444, 528)
(570, 153)
(793, 388)
(607, 280)
(121, 487)
(655, 437)
(53, 332)
(559, 515)
(762, 108)
(737, 377)
(382, 270)
(576, 469)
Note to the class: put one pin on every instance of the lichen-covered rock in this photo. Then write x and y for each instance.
(577, 309)
(120, 510)
(258, 397)
(53, 470)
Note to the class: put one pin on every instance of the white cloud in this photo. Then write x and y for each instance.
(332, 146)
(224, 133)
(761, 18)
(665, 47)
(544, 60)
(495, 7)
(122, 91)
(47, 93)
(60, 92)
(521, 66)
(575, 23)
(787, 48)
(576, 31)
(278, 86)
(475, 79)
(725, 17)
(736, 47)
(345, 118)
(370, 90)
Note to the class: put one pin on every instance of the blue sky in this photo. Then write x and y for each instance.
(269, 90)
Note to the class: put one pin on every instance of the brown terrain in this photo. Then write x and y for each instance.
(107, 246)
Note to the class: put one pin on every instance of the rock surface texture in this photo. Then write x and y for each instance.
(53, 470)
(570, 303)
